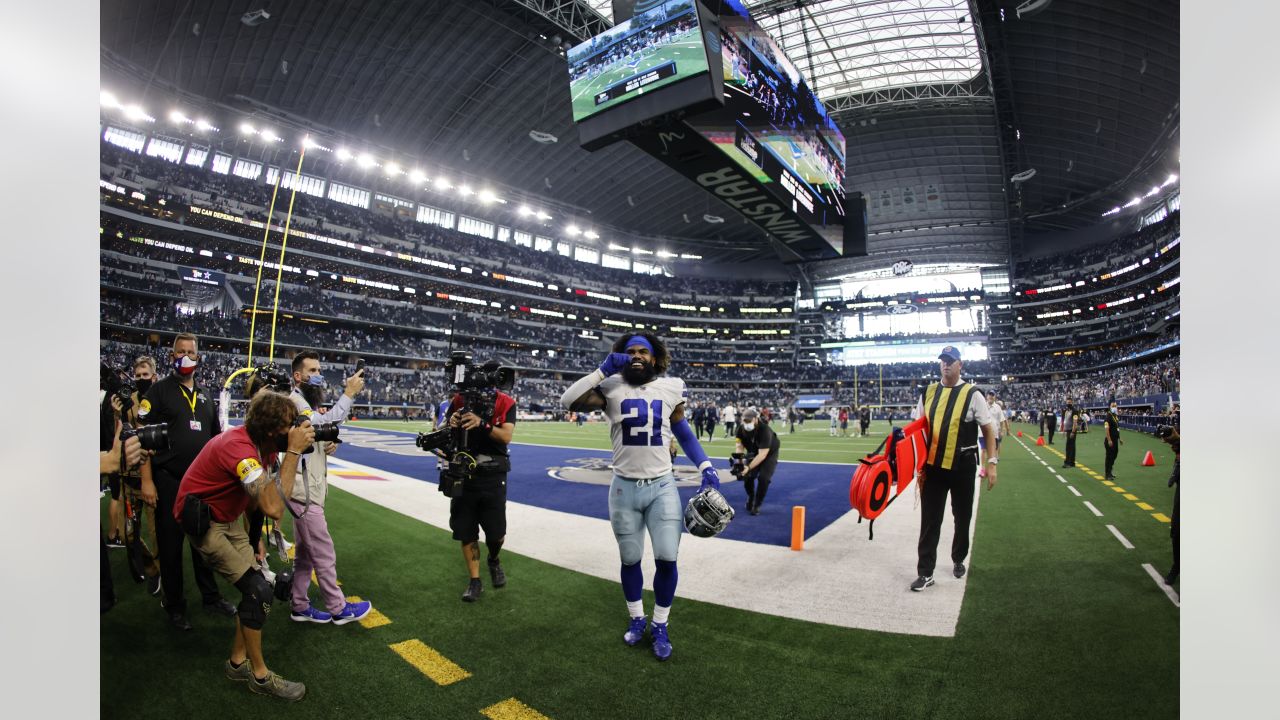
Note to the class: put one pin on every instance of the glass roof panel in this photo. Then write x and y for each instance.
(848, 46)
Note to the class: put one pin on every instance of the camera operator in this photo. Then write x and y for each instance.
(761, 445)
(142, 559)
(188, 411)
(306, 504)
(255, 463)
(483, 501)
(1169, 434)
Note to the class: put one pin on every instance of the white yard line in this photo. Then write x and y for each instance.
(1168, 591)
(1093, 509)
(1073, 491)
(1123, 540)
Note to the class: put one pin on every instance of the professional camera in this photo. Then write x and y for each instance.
(738, 464)
(478, 387)
(1164, 432)
(150, 437)
(273, 376)
(110, 381)
(325, 432)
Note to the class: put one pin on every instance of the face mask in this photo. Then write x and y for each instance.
(748, 426)
(316, 380)
(185, 365)
(143, 386)
(1113, 408)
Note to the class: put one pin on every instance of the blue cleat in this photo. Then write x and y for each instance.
(661, 645)
(635, 631)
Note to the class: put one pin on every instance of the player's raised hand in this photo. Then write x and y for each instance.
(614, 363)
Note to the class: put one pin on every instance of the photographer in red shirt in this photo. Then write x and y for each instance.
(254, 463)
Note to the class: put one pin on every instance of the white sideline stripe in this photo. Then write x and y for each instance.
(1168, 591)
(840, 578)
(1060, 477)
(1123, 540)
(1092, 509)
(1073, 491)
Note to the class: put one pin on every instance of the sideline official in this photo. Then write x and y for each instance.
(955, 409)
(188, 411)
(761, 444)
(1111, 438)
(1071, 425)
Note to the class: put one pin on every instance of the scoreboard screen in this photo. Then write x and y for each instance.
(653, 49)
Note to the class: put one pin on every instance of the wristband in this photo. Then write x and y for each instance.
(294, 452)
(993, 461)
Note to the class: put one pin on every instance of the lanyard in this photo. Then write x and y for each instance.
(195, 394)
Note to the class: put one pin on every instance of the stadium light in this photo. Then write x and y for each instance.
(1169, 180)
(269, 135)
(525, 211)
(417, 176)
(393, 169)
(543, 216)
(1132, 202)
(366, 161)
(108, 100)
(591, 235)
(1154, 190)
(465, 191)
(204, 126)
(573, 230)
(344, 154)
(442, 184)
(487, 196)
(308, 143)
(247, 129)
(177, 117)
(135, 112)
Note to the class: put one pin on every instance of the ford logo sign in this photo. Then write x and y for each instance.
(900, 309)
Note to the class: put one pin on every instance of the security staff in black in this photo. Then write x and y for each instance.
(1071, 424)
(1050, 421)
(482, 503)
(955, 409)
(761, 444)
(1111, 439)
(188, 411)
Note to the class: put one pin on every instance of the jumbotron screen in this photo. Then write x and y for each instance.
(773, 125)
(655, 48)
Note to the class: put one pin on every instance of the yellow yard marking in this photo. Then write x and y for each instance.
(1119, 489)
(373, 619)
(1108, 483)
(512, 709)
(440, 669)
(1145, 506)
(1161, 517)
(1129, 496)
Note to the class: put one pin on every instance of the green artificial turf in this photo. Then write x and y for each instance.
(1058, 621)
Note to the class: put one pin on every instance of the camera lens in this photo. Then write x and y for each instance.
(327, 432)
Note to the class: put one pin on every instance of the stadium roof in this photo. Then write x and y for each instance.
(1085, 92)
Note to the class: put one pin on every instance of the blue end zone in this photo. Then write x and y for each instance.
(822, 488)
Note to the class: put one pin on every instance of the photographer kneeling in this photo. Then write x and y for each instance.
(234, 470)
(482, 501)
(761, 445)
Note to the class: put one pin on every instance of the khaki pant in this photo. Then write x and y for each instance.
(225, 549)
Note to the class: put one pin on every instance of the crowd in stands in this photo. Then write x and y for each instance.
(1029, 363)
(1086, 263)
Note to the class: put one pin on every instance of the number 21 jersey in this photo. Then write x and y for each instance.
(640, 423)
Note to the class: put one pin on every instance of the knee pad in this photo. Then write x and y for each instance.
(255, 599)
(630, 550)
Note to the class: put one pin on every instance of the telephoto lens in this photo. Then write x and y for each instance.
(326, 432)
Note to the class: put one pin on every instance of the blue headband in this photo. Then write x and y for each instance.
(641, 341)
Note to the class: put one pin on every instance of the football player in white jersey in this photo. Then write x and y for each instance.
(645, 409)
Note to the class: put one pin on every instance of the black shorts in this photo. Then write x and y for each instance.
(483, 504)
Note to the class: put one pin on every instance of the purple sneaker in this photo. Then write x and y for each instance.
(311, 614)
(352, 612)
(635, 631)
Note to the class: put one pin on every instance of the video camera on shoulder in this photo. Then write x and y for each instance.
(273, 377)
(111, 381)
(478, 387)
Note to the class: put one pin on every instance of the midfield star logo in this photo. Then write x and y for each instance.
(599, 471)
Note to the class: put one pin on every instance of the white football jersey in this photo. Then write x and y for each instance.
(640, 423)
